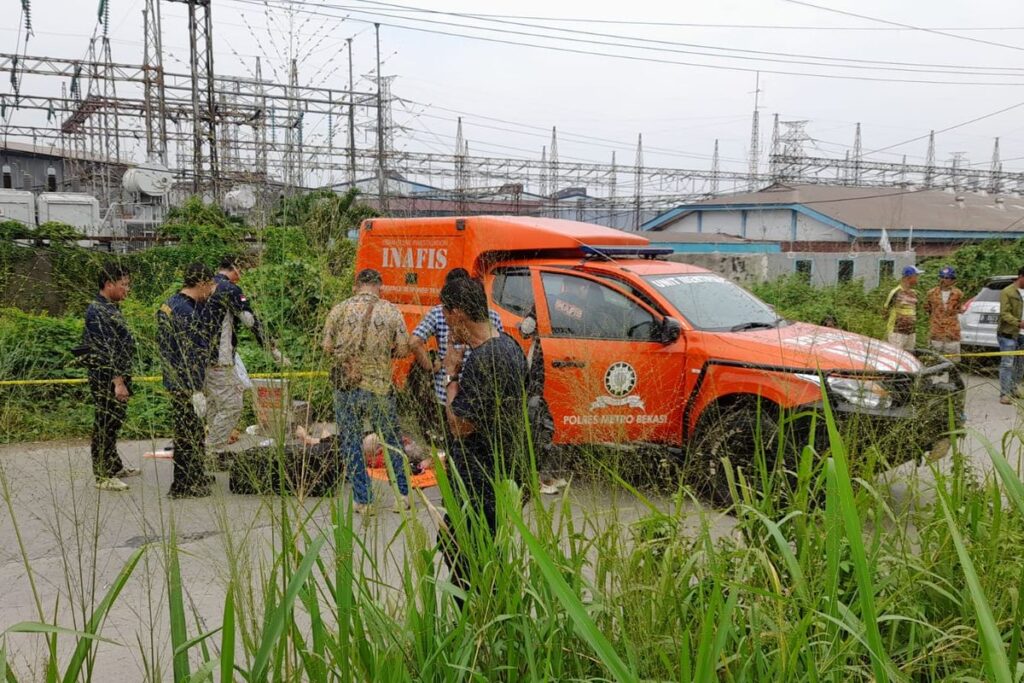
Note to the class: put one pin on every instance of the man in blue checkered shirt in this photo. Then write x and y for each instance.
(434, 324)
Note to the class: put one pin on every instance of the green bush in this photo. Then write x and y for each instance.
(852, 306)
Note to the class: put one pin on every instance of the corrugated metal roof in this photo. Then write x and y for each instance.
(874, 208)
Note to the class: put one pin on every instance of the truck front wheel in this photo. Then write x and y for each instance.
(738, 443)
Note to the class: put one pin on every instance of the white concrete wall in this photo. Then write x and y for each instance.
(747, 268)
(811, 230)
(722, 222)
(772, 225)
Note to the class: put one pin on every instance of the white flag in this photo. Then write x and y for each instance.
(883, 243)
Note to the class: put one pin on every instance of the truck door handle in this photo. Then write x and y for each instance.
(568, 363)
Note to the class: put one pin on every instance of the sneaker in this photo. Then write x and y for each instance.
(111, 484)
(402, 504)
(126, 472)
(362, 509)
(1006, 400)
(548, 489)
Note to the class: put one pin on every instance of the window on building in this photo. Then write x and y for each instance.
(513, 290)
(845, 273)
(585, 309)
(886, 269)
(804, 268)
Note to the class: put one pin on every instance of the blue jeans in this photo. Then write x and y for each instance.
(1011, 368)
(355, 410)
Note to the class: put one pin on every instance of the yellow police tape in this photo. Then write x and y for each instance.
(985, 354)
(307, 374)
(157, 378)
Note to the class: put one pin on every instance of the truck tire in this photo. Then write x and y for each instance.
(736, 434)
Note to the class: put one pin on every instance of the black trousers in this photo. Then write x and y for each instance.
(482, 503)
(190, 478)
(108, 416)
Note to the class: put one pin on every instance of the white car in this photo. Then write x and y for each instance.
(980, 315)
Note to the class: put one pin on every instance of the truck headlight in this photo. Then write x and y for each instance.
(863, 393)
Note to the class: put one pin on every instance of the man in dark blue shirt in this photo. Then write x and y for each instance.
(485, 410)
(184, 341)
(227, 309)
(109, 351)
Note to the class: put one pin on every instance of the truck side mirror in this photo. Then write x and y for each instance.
(670, 331)
(527, 327)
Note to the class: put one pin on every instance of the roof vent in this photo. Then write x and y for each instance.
(1001, 203)
(960, 200)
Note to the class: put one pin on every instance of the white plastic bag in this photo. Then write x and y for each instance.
(242, 373)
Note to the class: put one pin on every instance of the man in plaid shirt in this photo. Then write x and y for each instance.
(434, 324)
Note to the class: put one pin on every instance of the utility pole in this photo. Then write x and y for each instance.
(351, 120)
(858, 152)
(929, 161)
(773, 159)
(382, 180)
(293, 133)
(638, 181)
(714, 169)
(613, 179)
(544, 171)
(260, 124)
(553, 175)
(460, 171)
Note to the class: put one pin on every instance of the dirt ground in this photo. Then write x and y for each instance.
(78, 539)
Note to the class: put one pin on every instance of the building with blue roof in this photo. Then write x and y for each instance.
(840, 218)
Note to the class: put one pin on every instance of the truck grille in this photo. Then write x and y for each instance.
(900, 388)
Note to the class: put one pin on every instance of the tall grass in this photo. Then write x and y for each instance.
(825, 583)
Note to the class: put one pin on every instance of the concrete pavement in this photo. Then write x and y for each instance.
(78, 539)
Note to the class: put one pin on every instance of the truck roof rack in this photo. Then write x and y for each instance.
(621, 251)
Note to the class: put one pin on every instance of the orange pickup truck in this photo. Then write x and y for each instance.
(634, 349)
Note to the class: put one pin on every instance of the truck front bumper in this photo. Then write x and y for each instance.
(926, 407)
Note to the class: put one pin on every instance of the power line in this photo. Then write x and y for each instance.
(948, 128)
(938, 32)
(637, 58)
(583, 139)
(684, 24)
(928, 68)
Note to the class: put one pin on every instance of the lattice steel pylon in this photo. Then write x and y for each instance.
(204, 135)
(153, 86)
(995, 170)
(929, 161)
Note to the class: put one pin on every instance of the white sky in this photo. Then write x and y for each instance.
(679, 109)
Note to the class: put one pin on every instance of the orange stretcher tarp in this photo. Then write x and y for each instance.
(424, 480)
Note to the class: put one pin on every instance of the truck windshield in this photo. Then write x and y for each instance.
(710, 302)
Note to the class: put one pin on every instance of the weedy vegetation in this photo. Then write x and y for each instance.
(815, 574)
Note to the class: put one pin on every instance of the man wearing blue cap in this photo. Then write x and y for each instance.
(901, 309)
(942, 304)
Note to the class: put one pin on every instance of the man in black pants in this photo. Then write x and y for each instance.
(183, 337)
(486, 413)
(109, 350)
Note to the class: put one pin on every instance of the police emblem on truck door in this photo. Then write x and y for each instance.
(619, 381)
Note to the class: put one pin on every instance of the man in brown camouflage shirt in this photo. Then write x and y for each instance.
(368, 332)
(942, 304)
